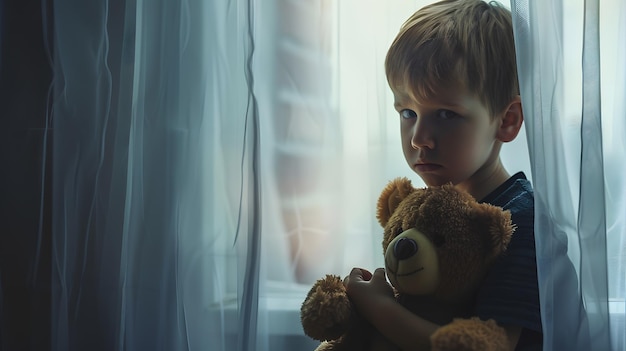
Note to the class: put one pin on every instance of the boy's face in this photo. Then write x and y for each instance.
(450, 138)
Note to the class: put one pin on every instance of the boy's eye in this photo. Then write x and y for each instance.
(446, 114)
(406, 114)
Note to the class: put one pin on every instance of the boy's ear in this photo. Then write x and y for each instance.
(510, 121)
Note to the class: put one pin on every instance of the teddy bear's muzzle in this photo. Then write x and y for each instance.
(411, 263)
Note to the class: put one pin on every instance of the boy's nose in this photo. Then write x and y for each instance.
(422, 137)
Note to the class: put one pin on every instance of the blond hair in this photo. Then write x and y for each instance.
(451, 42)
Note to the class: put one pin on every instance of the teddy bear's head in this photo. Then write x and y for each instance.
(439, 241)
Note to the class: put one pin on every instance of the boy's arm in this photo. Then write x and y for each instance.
(375, 301)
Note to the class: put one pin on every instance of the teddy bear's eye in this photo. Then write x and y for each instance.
(398, 231)
(439, 241)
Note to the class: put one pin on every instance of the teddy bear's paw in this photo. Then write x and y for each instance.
(469, 335)
(326, 311)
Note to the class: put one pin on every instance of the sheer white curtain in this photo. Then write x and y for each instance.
(155, 193)
(572, 74)
(213, 158)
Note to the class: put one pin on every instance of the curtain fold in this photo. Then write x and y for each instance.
(568, 64)
(249, 310)
(155, 194)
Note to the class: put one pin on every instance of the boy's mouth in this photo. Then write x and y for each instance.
(426, 167)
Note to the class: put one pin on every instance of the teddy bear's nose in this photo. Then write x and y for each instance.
(404, 248)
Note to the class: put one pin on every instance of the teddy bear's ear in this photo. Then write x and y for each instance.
(499, 226)
(396, 191)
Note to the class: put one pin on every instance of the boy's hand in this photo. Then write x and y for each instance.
(367, 290)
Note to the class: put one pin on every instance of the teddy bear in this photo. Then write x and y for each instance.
(438, 245)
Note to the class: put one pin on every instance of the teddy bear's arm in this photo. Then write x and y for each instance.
(471, 334)
(326, 311)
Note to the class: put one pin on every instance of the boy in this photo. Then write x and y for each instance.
(453, 74)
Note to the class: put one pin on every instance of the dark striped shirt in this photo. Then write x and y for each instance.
(510, 293)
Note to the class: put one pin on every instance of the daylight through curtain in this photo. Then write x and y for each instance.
(155, 194)
(572, 77)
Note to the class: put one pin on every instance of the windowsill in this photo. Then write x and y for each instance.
(279, 309)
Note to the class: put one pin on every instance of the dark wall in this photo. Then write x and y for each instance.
(25, 169)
